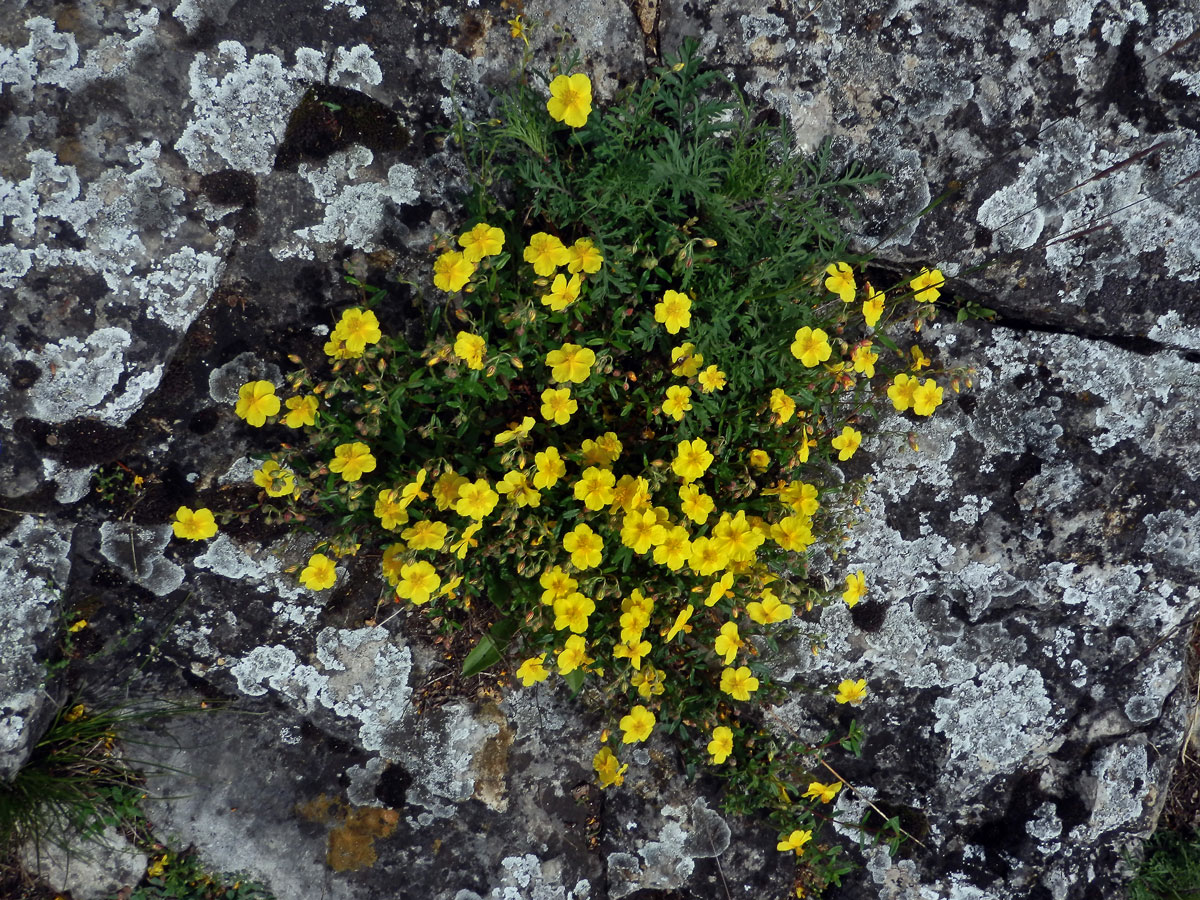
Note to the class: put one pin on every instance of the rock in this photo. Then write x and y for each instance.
(1056, 134)
(176, 212)
(89, 870)
(34, 566)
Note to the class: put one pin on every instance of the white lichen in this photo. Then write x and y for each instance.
(137, 551)
(34, 567)
(355, 202)
(363, 676)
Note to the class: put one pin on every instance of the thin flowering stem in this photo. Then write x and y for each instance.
(868, 801)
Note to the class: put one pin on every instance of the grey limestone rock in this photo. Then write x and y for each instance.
(167, 232)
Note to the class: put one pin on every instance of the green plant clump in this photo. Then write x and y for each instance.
(619, 431)
(1171, 868)
(180, 875)
(76, 782)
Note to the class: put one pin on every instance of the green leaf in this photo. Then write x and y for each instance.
(574, 681)
(887, 342)
(490, 647)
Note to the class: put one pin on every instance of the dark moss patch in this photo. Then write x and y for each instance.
(393, 786)
(330, 118)
(869, 616)
(24, 375)
(229, 187)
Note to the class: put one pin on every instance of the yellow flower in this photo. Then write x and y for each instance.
(631, 494)
(760, 459)
(584, 257)
(352, 460)
(728, 642)
(823, 792)
(585, 546)
(558, 405)
(685, 361)
(603, 450)
(675, 548)
(692, 459)
(901, 391)
(708, 556)
(681, 623)
(864, 359)
(801, 497)
(640, 531)
(445, 489)
(516, 29)
(570, 99)
(418, 581)
(389, 510)
(470, 348)
(926, 398)
(608, 768)
(632, 650)
(738, 683)
(256, 401)
(737, 536)
(78, 626)
(573, 655)
(637, 725)
(194, 526)
(412, 491)
(336, 347)
(783, 406)
(721, 744)
(847, 442)
(720, 589)
(301, 411)
(452, 270)
(811, 346)
(482, 240)
(515, 432)
(319, 574)
(557, 584)
(852, 692)
(392, 561)
(572, 612)
(425, 535)
(712, 379)
(648, 681)
(770, 610)
(920, 360)
(840, 280)
(466, 540)
(516, 485)
(594, 489)
(696, 504)
(679, 401)
(856, 588)
(355, 329)
(276, 481)
(476, 501)
(674, 311)
(872, 307)
(550, 468)
(571, 363)
(545, 253)
(793, 533)
(926, 285)
(562, 292)
(795, 841)
(533, 670)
